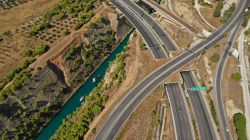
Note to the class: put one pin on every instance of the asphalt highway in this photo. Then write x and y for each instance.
(182, 121)
(147, 34)
(129, 102)
(160, 9)
(221, 113)
(202, 117)
(168, 43)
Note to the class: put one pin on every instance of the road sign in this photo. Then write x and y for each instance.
(198, 88)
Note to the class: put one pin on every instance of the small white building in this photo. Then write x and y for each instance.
(206, 33)
(235, 53)
(208, 1)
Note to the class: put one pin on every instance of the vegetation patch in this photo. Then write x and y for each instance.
(240, 125)
(247, 32)
(143, 46)
(213, 112)
(236, 76)
(39, 50)
(246, 18)
(219, 6)
(229, 12)
(36, 28)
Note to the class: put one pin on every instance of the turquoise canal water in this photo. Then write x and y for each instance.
(158, 1)
(74, 102)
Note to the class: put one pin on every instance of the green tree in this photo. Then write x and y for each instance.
(240, 125)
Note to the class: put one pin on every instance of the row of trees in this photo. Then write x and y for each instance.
(16, 84)
(15, 72)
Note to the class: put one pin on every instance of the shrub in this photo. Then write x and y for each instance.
(7, 33)
(217, 46)
(3, 96)
(143, 46)
(247, 32)
(66, 32)
(215, 57)
(41, 49)
(28, 53)
(236, 76)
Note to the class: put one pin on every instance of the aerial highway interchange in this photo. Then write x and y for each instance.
(125, 69)
(142, 22)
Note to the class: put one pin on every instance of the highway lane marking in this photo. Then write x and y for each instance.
(147, 16)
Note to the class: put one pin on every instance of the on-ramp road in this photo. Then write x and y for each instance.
(222, 116)
(129, 102)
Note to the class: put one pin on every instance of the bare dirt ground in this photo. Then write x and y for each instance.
(181, 37)
(185, 9)
(12, 18)
(138, 65)
(141, 124)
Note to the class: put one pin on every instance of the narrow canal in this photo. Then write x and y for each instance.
(74, 102)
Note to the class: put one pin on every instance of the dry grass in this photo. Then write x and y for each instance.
(141, 124)
(13, 18)
(207, 13)
(232, 93)
(12, 48)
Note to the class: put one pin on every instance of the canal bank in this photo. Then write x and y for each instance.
(74, 102)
